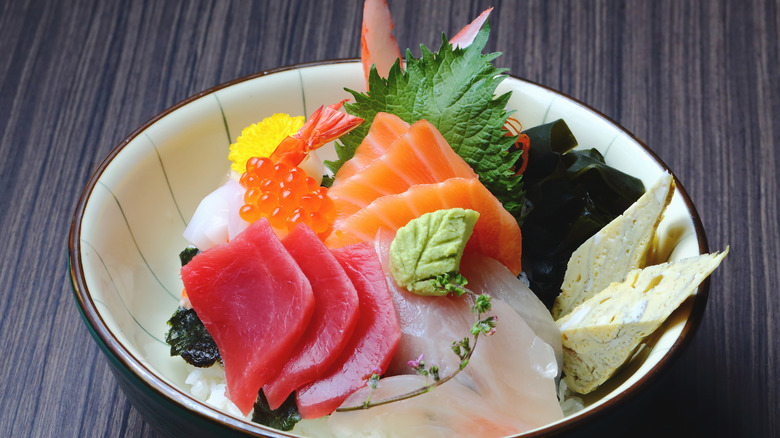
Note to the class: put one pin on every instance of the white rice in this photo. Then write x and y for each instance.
(208, 386)
(569, 403)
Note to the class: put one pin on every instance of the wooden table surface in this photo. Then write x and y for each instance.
(696, 80)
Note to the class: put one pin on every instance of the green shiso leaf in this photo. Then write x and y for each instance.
(454, 89)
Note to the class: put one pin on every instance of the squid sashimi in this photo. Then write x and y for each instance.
(372, 344)
(255, 302)
(496, 233)
(332, 323)
(451, 410)
(384, 131)
(419, 156)
(216, 220)
(486, 275)
(512, 370)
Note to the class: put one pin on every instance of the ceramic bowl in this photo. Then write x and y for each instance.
(127, 233)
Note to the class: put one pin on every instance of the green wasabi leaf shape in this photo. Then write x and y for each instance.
(430, 246)
(453, 89)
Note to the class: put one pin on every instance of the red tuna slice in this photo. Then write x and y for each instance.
(372, 344)
(332, 323)
(255, 302)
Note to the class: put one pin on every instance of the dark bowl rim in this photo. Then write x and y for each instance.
(110, 344)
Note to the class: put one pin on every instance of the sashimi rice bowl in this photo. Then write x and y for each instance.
(348, 248)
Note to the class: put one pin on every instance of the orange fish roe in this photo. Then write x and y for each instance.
(286, 196)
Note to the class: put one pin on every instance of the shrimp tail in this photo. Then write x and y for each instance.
(325, 125)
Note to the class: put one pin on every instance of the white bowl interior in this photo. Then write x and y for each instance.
(134, 219)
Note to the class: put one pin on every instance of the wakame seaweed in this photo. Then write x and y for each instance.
(572, 195)
(187, 335)
(283, 418)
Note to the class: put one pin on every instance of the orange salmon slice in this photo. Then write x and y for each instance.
(496, 233)
(420, 156)
(385, 130)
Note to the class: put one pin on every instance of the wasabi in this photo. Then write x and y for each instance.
(429, 246)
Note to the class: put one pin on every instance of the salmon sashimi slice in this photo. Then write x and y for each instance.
(332, 323)
(255, 302)
(384, 131)
(496, 233)
(420, 156)
(373, 342)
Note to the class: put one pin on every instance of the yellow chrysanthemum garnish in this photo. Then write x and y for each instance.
(260, 139)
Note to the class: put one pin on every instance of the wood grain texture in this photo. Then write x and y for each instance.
(697, 80)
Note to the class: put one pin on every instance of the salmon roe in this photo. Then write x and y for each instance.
(286, 196)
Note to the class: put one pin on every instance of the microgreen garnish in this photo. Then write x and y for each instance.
(464, 348)
(373, 383)
(452, 283)
(419, 366)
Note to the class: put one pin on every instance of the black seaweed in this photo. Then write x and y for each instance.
(189, 339)
(283, 418)
(187, 335)
(187, 255)
(571, 195)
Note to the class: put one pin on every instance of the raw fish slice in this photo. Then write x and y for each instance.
(372, 344)
(216, 220)
(385, 129)
(420, 156)
(486, 275)
(451, 410)
(332, 323)
(466, 36)
(496, 233)
(255, 302)
(513, 370)
(377, 43)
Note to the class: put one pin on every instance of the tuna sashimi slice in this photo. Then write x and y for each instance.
(496, 233)
(420, 156)
(332, 323)
(255, 302)
(384, 131)
(373, 342)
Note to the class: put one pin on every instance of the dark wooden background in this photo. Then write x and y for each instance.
(696, 80)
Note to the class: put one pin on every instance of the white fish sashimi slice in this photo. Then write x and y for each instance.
(217, 219)
(486, 275)
(513, 371)
(451, 410)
